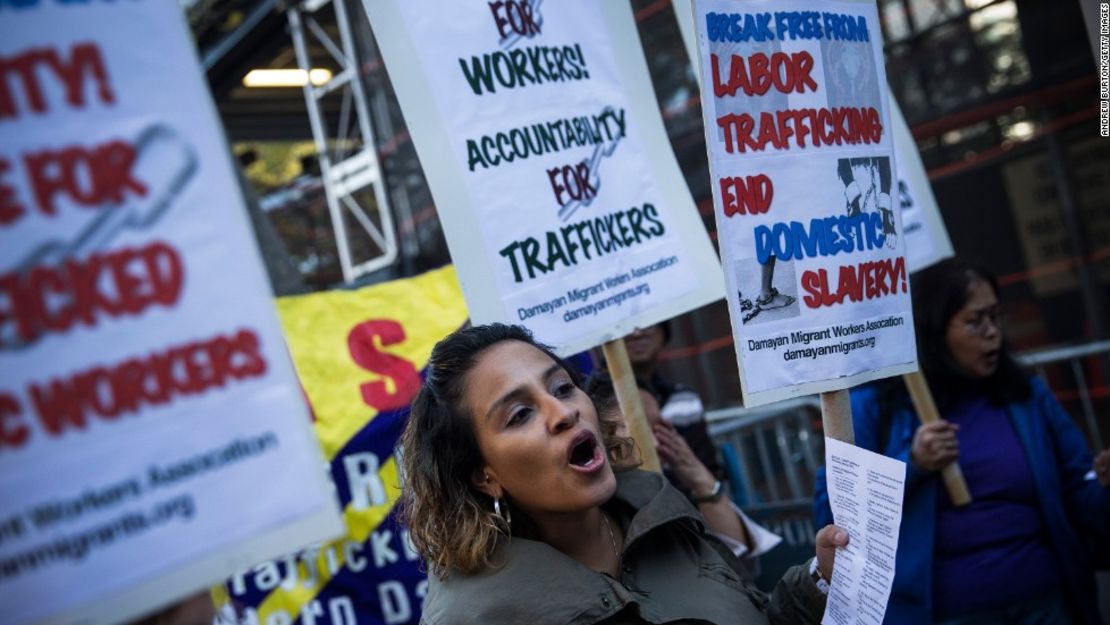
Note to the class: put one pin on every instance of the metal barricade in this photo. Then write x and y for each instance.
(1071, 360)
(771, 455)
(772, 452)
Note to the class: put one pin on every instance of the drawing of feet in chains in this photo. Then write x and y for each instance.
(765, 301)
(770, 297)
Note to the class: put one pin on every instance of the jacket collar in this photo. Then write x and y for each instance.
(534, 580)
(653, 501)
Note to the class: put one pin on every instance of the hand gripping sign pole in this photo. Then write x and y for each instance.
(924, 250)
(628, 397)
(926, 409)
(836, 417)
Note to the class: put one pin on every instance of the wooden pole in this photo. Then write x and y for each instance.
(926, 409)
(628, 397)
(836, 416)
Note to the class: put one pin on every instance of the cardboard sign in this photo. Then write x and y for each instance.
(802, 172)
(537, 128)
(153, 437)
(926, 238)
(359, 355)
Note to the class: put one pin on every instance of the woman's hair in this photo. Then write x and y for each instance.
(939, 292)
(452, 524)
(599, 386)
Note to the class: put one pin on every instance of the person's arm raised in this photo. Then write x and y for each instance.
(715, 507)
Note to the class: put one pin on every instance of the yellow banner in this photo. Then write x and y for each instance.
(359, 355)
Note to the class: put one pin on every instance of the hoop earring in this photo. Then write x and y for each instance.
(507, 516)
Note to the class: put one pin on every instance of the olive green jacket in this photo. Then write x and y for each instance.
(671, 571)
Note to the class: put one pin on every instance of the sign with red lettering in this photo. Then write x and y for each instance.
(539, 132)
(798, 129)
(153, 436)
(923, 228)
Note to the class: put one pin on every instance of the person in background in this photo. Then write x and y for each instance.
(528, 509)
(678, 405)
(1018, 553)
(684, 470)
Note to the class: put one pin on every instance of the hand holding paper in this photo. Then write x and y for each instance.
(829, 540)
(865, 491)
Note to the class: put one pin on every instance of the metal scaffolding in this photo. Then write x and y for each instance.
(348, 157)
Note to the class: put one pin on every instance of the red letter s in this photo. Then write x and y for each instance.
(366, 353)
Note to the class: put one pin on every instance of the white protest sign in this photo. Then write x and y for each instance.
(153, 436)
(923, 228)
(926, 238)
(802, 163)
(560, 197)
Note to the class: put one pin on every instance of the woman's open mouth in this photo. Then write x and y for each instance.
(585, 454)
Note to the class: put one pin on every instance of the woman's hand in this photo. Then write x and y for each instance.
(828, 539)
(935, 445)
(684, 463)
(689, 471)
(1102, 468)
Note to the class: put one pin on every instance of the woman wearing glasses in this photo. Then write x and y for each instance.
(1019, 552)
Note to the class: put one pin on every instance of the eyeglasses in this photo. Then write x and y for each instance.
(976, 322)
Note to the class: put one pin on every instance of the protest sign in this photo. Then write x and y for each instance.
(801, 161)
(153, 437)
(923, 228)
(926, 238)
(359, 355)
(538, 130)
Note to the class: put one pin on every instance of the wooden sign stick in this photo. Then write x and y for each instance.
(926, 409)
(628, 397)
(836, 416)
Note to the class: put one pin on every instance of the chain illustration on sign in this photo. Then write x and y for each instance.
(586, 181)
(171, 165)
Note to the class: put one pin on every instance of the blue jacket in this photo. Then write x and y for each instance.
(1072, 508)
